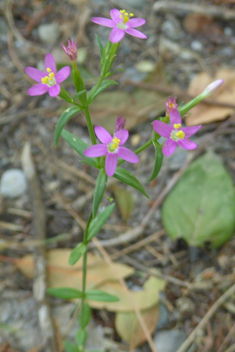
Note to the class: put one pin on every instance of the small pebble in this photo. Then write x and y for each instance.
(228, 31)
(196, 45)
(171, 30)
(49, 33)
(13, 183)
(169, 340)
(135, 140)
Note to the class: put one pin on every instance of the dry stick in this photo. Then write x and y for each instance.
(123, 283)
(231, 348)
(212, 10)
(39, 228)
(206, 318)
(229, 335)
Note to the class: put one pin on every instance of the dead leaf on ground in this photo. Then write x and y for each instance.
(128, 325)
(124, 201)
(207, 113)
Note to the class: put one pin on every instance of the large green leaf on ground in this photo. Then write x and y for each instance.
(201, 207)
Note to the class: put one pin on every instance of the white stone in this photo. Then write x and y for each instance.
(13, 183)
(169, 340)
(196, 45)
(49, 33)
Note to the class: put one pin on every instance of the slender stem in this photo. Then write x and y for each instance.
(89, 125)
(139, 150)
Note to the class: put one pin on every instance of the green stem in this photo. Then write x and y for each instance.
(139, 150)
(89, 125)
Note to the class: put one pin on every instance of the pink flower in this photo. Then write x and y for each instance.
(170, 105)
(121, 24)
(49, 81)
(175, 134)
(112, 148)
(119, 124)
(71, 50)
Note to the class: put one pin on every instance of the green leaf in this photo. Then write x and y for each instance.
(78, 145)
(65, 95)
(77, 253)
(127, 177)
(79, 84)
(78, 94)
(84, 315)
(64, 292)
(70, 347)
(101, 47)
(99, 190)
(64, 118)
(81, 337)
(201, 207)
(98, 295)
(99, 221)
(158, 160)
(94, 92)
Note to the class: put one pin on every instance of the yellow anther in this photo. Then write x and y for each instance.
(122, 11)
(51, 75)
(132, 15)
(115, 143)
(45, 80)
(177, 125)
(180, 134)
(120, 16)
(48, 69)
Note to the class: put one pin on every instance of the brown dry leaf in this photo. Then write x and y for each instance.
(124, 201)
(205, 113)
(127, 323)
(136, 107)
(61, 274)
(144, 299)
(196, 23)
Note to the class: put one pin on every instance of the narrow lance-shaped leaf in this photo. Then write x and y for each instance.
(127, 177)
(65, 95)
(101, 47)
(78, 94)
(81, 337)
(64, 292)
(84, 315)
(78, 145)
(98, 295)
(94, 92)
(99, 221)
(64, 118)
(99, 190)
(69, 346)
(79, 84)
(77, 253)
(158, 160)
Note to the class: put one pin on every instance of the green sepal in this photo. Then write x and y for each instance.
(78, 145)
(126, 176)
(77, 253)
(94, 92)
(98, 222)
(80, 338)
(64, 292)
(99, 191)
(65, 95)
(64, 118)
(101, 296)
(101, 47)
(79, 84)
(84, 315)
(70, 347)
(158, 160)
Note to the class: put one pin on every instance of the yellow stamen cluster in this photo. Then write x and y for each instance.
(177, 125)
(49, 78)
(115, 143)
(180, 134)
(125, 15)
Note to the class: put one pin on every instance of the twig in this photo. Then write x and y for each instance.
(206, 318)
(50, 343)
(231, 348)
(226, 339)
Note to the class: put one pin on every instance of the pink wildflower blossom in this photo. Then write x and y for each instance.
(175, 134)
(71, 50)
(49, 81)
(119, 124)
(112, 148)
(170, 105)
(121, 24)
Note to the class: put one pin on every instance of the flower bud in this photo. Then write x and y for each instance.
(212, 86)
(119, 124)
(71, 50)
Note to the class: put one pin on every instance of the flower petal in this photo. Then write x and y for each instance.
(169, 147)
(189, 131)
(50, 63)
(54, 90)
(175, 117)
(122, 135)
(62, 74)
(96, 150)
(116, 35)
(38, 89)
(162, 128)
(115, 15)
(103, 22)
(34, 73)
(127, 155)
(186, 144)
(136, 22)
(135, 33)
(103, 135)
(111, 163)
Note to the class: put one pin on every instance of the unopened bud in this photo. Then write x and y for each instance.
(212, 86)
